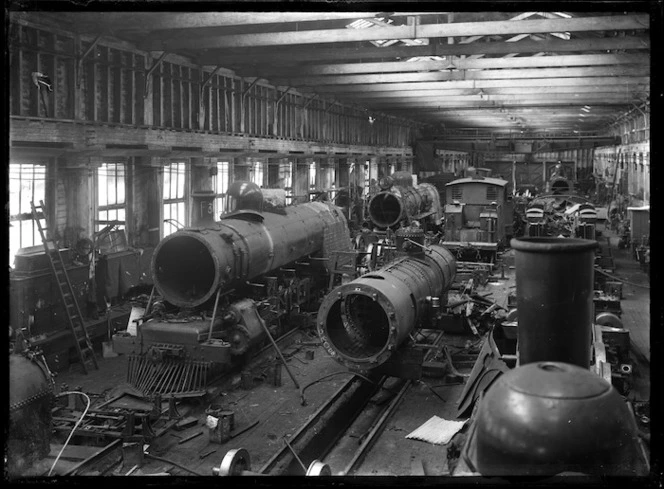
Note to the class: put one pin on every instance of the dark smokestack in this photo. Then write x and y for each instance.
(554, 289)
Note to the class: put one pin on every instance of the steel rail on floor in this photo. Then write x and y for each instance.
(317, 438)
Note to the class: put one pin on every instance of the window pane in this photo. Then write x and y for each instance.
(111, 193)
(120, 217)
(103, 187)
(167, 183)
(26, 184)
(312, 174)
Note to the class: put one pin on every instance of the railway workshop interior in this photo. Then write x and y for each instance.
(330, 243)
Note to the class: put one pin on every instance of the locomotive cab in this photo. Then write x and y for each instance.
(478, 217)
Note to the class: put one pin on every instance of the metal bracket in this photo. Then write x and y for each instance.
(79, 60)
(149, 72)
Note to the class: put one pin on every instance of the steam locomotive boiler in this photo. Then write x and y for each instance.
(225, 284)
(362, 323)
(400, 202)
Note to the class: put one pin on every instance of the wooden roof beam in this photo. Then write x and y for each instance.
(460, 75)
(405, 94)
(461, 64)
(300, 55)
(415, 31)
(457, 84)
(194, 20)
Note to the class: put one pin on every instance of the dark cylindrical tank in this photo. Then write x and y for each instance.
(389, 207)
(30, 419)
(189, 265)
(546, 418)
(363, 322)
(554, 291)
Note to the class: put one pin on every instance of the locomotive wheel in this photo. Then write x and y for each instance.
(235, 462)
(318, 468)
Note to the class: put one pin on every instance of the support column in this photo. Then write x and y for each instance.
(145, 208)
(301, 180)
(76, 208)
(241, 168)
(273, 172)
(343, 172)
(327, 173)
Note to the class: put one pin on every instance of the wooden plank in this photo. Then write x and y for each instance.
(286, 55)
(490, 94)
(458, 84)
(167, 21)
(579, 24)
(587, 98)
(462, 75)
(461, 64)
(73, 452)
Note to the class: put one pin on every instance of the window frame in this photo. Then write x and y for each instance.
(168, 200)
(100, 223)
(224, 169)
(26, 216)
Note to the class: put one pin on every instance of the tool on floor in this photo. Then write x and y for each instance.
(82, 340)
(190, 437)
(283, 360)
(299, 460)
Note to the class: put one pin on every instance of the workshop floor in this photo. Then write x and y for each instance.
(279, 412)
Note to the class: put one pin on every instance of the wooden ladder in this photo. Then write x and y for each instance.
(82, 341)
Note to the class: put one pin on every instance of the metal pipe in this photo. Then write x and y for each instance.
(214, 314)
(283, 360)
(363, 322)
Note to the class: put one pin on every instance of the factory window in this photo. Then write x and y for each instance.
(221, 183)
(110, 195)
(27, 183)
(286, 175)
(312, 175)
(175, 211)
(491, 192)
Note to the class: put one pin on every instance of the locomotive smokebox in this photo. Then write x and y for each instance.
(554, 289)
(190, 265)
(547, 418)
(389, 207)
(363, 322)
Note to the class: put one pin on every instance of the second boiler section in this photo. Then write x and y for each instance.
(363, 322)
